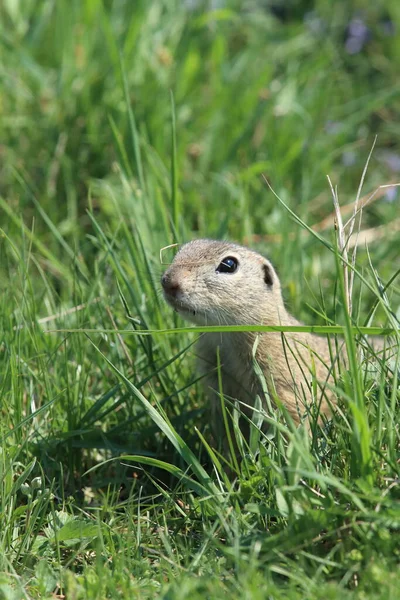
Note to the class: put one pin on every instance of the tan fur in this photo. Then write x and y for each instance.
(194, 288)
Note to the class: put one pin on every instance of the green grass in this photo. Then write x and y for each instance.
(129, 126)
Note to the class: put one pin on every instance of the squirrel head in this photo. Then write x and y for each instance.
(220, 283)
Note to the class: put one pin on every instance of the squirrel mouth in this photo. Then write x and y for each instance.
(180, 307)
(188, 313)
(185, 311)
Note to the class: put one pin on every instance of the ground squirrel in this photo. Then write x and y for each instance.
(220, 283)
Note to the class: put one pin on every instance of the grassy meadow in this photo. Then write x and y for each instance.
(127, 126)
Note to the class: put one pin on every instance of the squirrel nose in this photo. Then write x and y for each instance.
(170, 285)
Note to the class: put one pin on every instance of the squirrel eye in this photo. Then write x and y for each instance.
(228, 265)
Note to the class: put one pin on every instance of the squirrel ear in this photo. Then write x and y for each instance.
(268, 277)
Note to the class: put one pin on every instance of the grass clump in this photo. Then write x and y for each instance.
(110, 484)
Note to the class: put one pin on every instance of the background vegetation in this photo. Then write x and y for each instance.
(128, 126)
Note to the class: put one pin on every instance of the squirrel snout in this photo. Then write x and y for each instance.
(170, 285)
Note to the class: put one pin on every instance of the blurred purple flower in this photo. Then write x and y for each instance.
(357, 35)
(348, 158)
(391, 160)
(391, 194)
